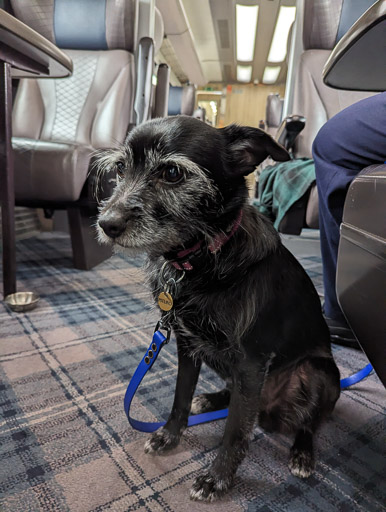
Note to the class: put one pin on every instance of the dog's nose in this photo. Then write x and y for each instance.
(112, 227)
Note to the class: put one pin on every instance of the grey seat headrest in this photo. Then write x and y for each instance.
(81, 24)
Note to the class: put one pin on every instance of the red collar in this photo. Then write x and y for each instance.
(182, 260)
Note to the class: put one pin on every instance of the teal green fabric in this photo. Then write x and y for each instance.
(281, 185)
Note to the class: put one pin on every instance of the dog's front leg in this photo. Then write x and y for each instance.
(169, 435)
(243, 407)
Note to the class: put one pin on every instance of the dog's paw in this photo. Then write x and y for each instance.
(161, 441)
(208, 488)
(301, 463)
(200, 404)
(208, 402)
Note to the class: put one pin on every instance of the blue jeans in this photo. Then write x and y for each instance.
(350, 141)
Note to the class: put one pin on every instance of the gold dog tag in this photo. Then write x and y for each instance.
(165, 301)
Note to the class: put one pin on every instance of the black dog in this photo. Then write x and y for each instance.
(244, 306)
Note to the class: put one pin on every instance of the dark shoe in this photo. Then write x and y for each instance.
(341, 334)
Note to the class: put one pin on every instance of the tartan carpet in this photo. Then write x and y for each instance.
(65, 443)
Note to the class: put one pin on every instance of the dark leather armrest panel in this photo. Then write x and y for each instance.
(361, 271)
(289, 129)
(365, 206)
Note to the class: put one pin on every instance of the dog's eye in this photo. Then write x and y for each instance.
(172, 174)
(120, 167)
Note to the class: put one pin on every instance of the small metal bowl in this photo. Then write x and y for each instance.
(22, 301)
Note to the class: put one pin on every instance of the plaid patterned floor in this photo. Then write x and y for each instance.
(65, 444)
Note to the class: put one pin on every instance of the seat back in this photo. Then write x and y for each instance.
(94, 106)
(325, 22)
(182, 100)
(273, 113)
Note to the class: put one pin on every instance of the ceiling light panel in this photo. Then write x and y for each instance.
(285, 19)
(270, 74)
(246, 24)
(244, 73)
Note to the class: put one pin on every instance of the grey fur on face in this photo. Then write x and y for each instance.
(158, 215)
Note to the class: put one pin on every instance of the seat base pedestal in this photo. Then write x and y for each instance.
(87, 252)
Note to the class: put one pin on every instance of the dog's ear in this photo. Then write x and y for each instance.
(247, 147)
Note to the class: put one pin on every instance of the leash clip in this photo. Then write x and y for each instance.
(160, 326)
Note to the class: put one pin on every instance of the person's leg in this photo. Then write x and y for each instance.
(347, 143)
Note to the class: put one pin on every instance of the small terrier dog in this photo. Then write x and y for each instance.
(242, 304)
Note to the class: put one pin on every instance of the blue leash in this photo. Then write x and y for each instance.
(158, 341)
(356, 377)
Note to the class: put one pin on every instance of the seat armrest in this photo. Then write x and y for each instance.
(361, 265)
(161, 99)
(289, 129)
(142, 101)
